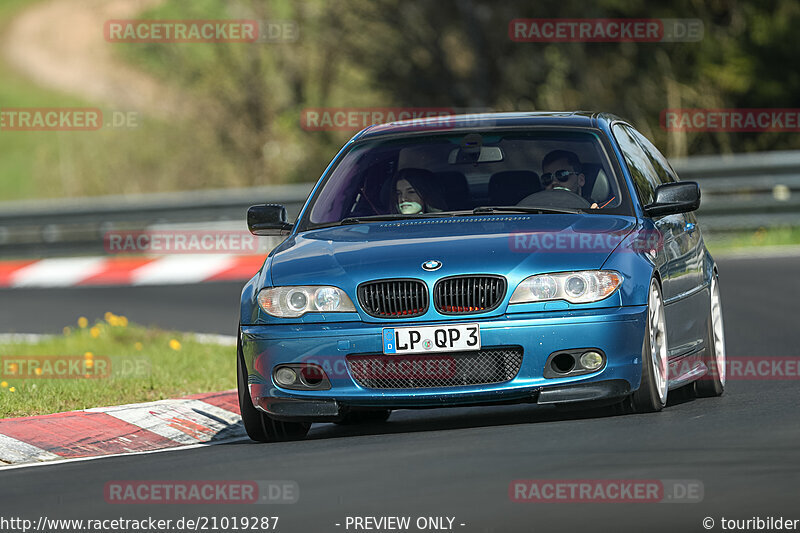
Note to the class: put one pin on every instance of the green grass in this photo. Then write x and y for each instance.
(10, 7)
(731, 242)
(161, 60)
(129, 364)
(157, 155)
(22, 154)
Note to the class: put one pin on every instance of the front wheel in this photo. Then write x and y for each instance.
(652, 393)
(259, 426)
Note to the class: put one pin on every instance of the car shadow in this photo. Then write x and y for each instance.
(681, 395)
(421, 420)
(448, 418)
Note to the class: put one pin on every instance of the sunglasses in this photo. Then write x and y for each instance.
(560, 175)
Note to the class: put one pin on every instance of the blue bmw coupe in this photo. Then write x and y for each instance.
(551, 258)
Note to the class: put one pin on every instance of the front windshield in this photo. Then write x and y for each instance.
(419, 175)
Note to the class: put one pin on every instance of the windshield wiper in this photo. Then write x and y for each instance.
(401, 216)
(485, 209)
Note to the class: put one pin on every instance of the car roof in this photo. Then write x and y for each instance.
(586, 119)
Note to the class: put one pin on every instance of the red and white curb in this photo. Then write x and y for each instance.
(133, 271)
(135, 428)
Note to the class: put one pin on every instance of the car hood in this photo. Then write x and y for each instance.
(515, 246)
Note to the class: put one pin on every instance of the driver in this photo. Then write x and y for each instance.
(562, 170)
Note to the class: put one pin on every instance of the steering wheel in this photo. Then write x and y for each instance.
(555, 198)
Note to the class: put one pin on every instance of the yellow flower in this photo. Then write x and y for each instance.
(12, 389)
(67, 331)
(109, 316)
(88, 363)
(13, 368)
(175, 345)
(38, 371)
(94, 332)
(83, 322)
(122, 321)
(88, 355)
(4, 384)
(113, 321)
(138, 346)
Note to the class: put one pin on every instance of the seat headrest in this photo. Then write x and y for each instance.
(456, 189)
(510, 186)
(601, 188)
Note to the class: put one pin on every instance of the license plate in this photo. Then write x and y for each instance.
(425, 339)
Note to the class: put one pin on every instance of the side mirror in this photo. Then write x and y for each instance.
(268, 220)
(673, 198)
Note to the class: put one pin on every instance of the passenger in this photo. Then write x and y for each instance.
(415, 192)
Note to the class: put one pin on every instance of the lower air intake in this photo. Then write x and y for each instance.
(453, 369)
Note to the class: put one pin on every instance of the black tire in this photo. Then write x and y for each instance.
(259, 426)
(713, 383)
(372, 416)
(647, 399)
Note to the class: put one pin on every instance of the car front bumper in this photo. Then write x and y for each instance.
(617, 332)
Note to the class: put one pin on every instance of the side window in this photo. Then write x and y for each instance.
(645, 178)
(660, 163)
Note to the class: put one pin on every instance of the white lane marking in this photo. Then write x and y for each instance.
(16, 451)
(183, 421)
(191, 420)
(23, 337)
(212, 338)
(759, 252)
(189, 269)
(176, 448)
(58, 272)
(149, 404)
(181, 269)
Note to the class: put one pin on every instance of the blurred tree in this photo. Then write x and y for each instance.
(248, 98)
(458, 53)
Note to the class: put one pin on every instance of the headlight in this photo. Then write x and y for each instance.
(291, 302)
(575, 287)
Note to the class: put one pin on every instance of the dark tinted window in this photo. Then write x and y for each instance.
(645, 178)
(459, 171)
(660, 163)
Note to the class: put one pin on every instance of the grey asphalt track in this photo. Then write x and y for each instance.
(742, 447)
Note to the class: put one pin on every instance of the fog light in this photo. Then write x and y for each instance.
(285, 376)
(591, 360)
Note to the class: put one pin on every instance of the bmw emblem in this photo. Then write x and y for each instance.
(431, 265)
